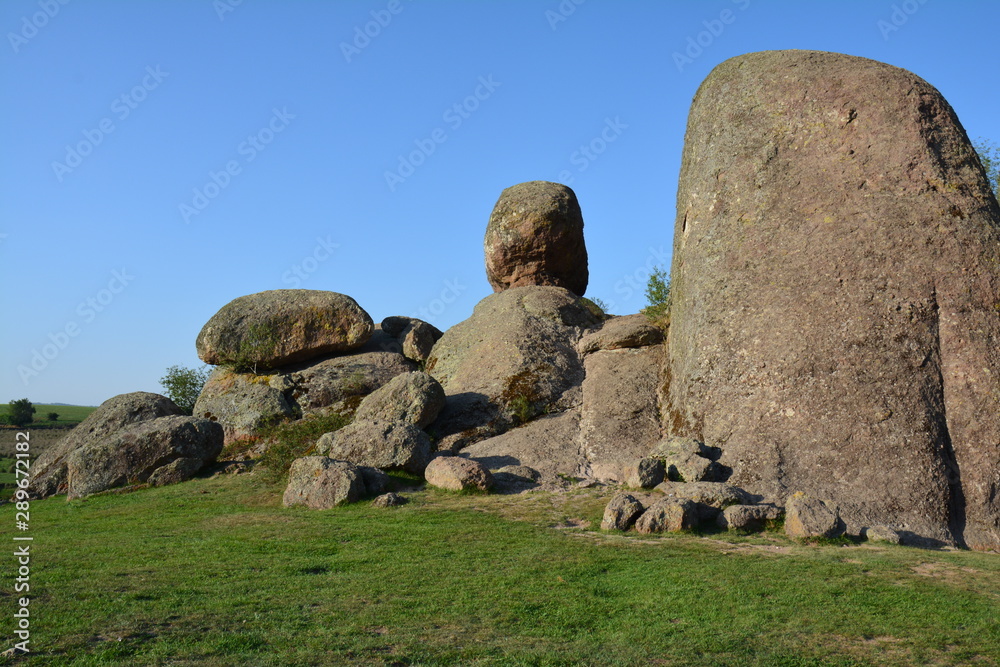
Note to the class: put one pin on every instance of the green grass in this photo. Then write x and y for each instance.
(69, 415)
(215, 572)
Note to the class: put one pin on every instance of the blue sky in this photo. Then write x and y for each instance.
(163, 158)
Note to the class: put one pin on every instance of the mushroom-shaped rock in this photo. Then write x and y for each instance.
(535, 237)
(270, 329)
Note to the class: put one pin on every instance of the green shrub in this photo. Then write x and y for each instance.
(658, 296)
(21, 412)
(183, 385)
(293, 440)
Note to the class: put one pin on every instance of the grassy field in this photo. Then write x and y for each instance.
(69, 415)
(216, 572)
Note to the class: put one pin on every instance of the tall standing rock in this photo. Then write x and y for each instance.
(535, 237)
(836, 294)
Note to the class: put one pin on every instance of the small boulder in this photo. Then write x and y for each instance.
(278, 327)
(882, 534)
(321, 483)
(416, 338)
(390, 500)
(176, 472)
(711, 497)
(691, 468)
(621, 332)
(49, 471)
(535, 237)
(669, 515)
(455, 473)
(644, 473)
(131, 455)
(748, 517)
(811, 517)
(380, 444)
(376, 481)
(415, 398)
(621, 513)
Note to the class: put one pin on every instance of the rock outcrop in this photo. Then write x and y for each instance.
(49, 471)
(279, 327)
(836, 267)
(512, 360)
(535, 237)
(134, 454)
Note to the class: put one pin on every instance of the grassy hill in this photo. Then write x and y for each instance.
(69, 415)
(216, 572)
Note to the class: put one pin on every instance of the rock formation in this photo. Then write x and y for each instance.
(535, 237)
(279, 327)
(835, 284)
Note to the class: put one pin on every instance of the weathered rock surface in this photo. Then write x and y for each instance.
(416, 338)
(535, 237)
(133, 454)
(811, 517)
(113, 415)
(278, 327)
(321, 483)
(619, 418)
(644, 473)
(379, 444)
(622, 332)
(514, 358)
(835, 275)
(621, 512)
(243, 403)
(339, 382)
(549, 444)
(749, 517)
(415, 398)
(669, 515)
(711, 497)
(456, 473)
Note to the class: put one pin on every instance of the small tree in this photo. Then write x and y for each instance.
(21, 412)
(183, 385)
(989, 155)
(657, 294)
(52, 416)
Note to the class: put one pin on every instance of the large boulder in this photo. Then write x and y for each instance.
(379, 444)
(620, 418)
(270, 329)
(835, 275)
(243, 403)
(321, 483)
(49, 471)
(535, 237)
(415, 398)
(134, 454)
(512, 360)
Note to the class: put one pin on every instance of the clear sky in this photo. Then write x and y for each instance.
(163, 158)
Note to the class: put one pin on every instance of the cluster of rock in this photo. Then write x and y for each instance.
(833, 332)
(137, 438)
